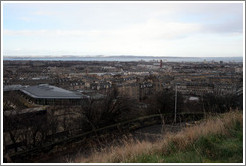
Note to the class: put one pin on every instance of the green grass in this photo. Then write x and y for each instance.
(213, 148)
(216, 139)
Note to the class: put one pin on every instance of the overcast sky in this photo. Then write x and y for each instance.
(151, 29)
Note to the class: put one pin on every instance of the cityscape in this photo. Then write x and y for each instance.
(154, 100)
(51, 86)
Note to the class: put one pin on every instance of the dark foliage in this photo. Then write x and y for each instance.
(164, 102)
(220, 103)
(112, 109)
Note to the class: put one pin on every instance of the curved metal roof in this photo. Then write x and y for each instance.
(52, 92)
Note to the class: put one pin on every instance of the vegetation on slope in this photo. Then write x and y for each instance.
(216, 139)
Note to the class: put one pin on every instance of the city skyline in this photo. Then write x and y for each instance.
(123, 28)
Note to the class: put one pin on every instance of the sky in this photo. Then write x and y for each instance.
(140, 28)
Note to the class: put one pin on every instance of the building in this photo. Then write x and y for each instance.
(196, 89)
(7, 88)
(45, 94)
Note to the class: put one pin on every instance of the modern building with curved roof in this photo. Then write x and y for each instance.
(45, 94)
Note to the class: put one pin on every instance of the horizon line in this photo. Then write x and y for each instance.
(102, 56)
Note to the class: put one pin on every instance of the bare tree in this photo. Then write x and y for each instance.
(12, 126)
(164, 102)
(220, 103)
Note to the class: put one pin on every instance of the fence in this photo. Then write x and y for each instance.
(67, 137)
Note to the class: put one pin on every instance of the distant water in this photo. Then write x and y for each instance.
(128, 58)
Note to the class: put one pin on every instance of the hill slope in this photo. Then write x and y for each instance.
(216, 139)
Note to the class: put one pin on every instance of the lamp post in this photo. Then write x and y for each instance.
(175, 107)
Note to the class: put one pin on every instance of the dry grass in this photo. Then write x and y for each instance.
(131, 149)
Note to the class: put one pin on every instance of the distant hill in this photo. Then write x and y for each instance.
(123, 58)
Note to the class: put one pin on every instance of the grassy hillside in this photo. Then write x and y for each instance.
(215, 140)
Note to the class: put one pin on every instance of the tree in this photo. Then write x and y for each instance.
(11, 126)
(89, 115)
(164, 102)
(110, 110)
(25, 129)
(220, 103)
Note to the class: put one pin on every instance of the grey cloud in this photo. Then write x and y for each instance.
(230, 26)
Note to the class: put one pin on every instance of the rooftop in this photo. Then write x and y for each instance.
(12, 87)
(49, 91)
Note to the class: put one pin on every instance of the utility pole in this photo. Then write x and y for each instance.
(175, 108)
(203, 107)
